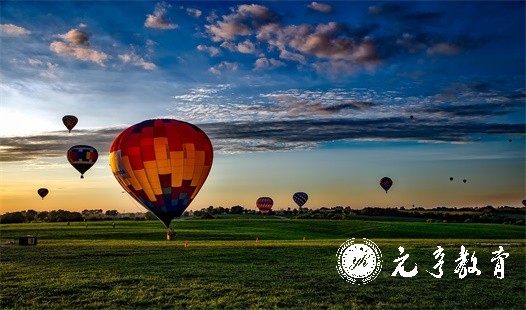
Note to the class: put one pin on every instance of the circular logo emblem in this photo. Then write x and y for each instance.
(359, 262)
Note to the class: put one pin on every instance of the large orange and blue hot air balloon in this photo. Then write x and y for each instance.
(82, 157)
(264, 204)
(300, 198)
(162, 163)
(69, 121)
(386, 183)
(42, 192)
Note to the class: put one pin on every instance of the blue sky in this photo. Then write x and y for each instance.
(295, 86)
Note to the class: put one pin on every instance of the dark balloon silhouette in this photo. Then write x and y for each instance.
(451, 178)
(300, 198)
(524, 202)
(70, 121)
(464, 180)
(264, 204)
(82, 158)
(509, 140)
(162, 163)
(42, 192)
(386, 183)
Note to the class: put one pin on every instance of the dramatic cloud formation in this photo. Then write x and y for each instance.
(159, 19)
(320, 7)
(10, 30)
(241, 136)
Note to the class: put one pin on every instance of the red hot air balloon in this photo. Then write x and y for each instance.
(386, 183)
(264, 204)
(300, 198)
(42, 192)
(82, 157)
(162, 163)
(69, 121)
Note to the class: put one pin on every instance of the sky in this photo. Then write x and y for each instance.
(321, 97)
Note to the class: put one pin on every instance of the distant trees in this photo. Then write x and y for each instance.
(487, 214)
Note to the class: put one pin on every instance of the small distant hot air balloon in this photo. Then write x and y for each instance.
(42, 192)
(464, 180)
(300, 198)
(82, 157)
(69, 121)
(411, 117)
(510, 140)
(264, 204)
(162, 163)
(451, 178)
(386, 183)
(524, 202)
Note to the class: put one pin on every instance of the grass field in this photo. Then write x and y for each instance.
(133, 267)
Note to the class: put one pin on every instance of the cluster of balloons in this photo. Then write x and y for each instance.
(81, 157)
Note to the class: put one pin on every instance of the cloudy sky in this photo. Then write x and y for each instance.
(321, 97)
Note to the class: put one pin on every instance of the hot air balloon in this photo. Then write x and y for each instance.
(386, 183)
(162, 163)
(464, 180)
(524, 202)
(42, 192)
(451, 178)
(82, 157)
(264, 204)
(300, 198)
(70, 121)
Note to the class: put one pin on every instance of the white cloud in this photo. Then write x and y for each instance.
(75, 36)
(265, 63)
(137, 61)
(443, 49)
(246, 47)
(194, 12)
(79, 52)
(159, 19)
(320, 7)
(223, 66)
(10, 30)
(211, 50)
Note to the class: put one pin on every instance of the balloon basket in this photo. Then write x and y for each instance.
(170, 235)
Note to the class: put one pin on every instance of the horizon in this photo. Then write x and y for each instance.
(320, 97)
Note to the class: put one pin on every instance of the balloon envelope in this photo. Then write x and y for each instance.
(162, 163)
(524, 202)
(451, 178)
(300, 198)
(69, 121)
(264, 204)
(386, 183)
(82, 157)
(464, 180)
(42, 192)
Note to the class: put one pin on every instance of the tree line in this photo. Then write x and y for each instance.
(487, 214)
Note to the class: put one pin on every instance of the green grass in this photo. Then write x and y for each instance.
(133, 267)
